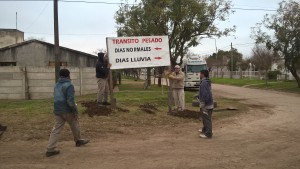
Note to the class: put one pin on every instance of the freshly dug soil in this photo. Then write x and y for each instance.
(2, 129)
(148, 108)
(186, 114)
(148, 111)
(92, 109)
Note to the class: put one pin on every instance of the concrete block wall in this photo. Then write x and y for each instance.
(12, 83)
(38, 82)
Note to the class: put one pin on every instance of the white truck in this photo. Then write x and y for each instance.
(191, 67)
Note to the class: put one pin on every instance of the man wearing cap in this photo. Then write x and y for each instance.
(102, 71)
(65, 110)
(177, 78)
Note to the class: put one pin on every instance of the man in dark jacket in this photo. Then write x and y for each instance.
(102, 71)
(65, 110)
(206, 104)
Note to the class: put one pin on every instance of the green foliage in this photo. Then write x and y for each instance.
(237, 58)
(235, 82)
(185, 22)
(286, 39)
(224, 58)
(244, 64)
(272, 75)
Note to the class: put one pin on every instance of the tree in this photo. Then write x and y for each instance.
(213, 61)
(244, 64)
(185, 22)
(263, 59)
(36, 38)
(237, 58)
(286, 38)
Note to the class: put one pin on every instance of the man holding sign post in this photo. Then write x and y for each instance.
(102, 72)
(177, 78)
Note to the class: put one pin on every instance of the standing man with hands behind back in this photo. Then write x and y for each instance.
(102, 71)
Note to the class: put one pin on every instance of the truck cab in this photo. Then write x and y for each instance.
(191, 67)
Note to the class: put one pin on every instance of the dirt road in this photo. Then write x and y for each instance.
(266, 139)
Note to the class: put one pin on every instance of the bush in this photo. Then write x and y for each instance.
(272, 75)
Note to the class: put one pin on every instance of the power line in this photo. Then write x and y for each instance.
(72, 34)
(254, 9)
(92, 2)
(234, 45)
(42, 11)
(71, 1)
(119, 3)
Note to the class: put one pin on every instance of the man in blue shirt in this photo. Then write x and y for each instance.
(65, 110)
(206, 104)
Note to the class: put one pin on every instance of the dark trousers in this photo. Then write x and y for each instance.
(207, 122)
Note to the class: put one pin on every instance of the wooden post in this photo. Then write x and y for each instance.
(25, 84)
(111, 85)
(80, 81)
(170, 96)
(231, 72)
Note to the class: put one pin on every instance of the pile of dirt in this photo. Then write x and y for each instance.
(2, 129)
(119, 109)
(190, 114)
(92, 109)
(148, 108)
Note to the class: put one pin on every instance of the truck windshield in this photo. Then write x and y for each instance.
(195, 68)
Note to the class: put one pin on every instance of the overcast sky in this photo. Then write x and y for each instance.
(84, 27)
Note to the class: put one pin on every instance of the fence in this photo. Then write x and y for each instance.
(38, 82)
(239, 74)
(249, 75)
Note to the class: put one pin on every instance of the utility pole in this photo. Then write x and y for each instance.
(16, 27)
(231, 72)
(217, 57)
(216, 48)
(56, 41)
(16, 20)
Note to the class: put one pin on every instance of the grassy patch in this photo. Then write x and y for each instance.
(236, 82)
(33, 119)
(286, 86)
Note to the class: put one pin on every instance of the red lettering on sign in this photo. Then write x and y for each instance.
(151, 40)
(158, 58)
(125, 41)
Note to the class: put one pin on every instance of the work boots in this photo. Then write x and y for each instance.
(81, 142)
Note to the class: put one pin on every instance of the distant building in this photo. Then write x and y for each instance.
(38, 53)
(10, 37)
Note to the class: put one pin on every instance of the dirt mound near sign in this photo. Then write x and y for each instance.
(189, 114)
(2, 129)
(149, 108)
(92, 109)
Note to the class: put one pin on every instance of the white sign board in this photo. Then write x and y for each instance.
(138, 52)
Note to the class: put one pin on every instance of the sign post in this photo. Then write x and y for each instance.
(111, 85)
